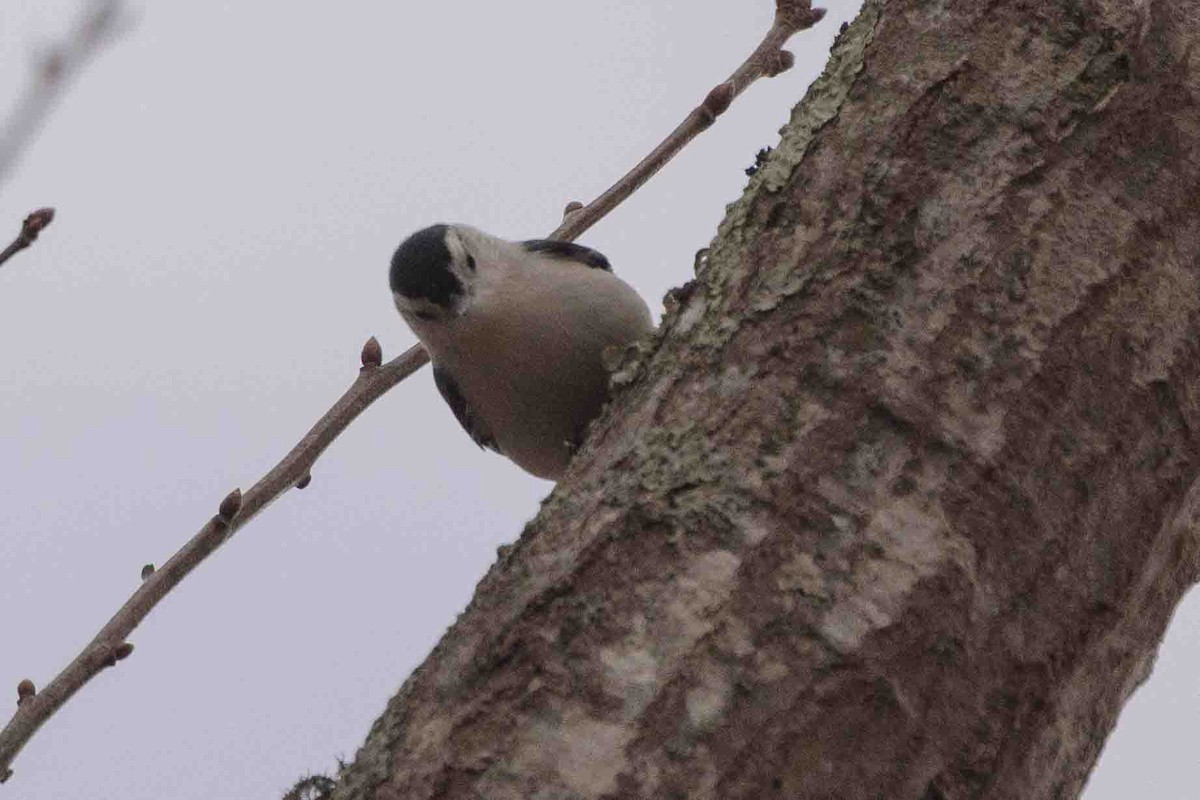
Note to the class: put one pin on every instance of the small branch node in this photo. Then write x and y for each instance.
(571, 208)
(25, 691)
(147, 571)
(115, 653)
(230, 506)
(53, 67)
(372, 353)
(718, 100)
(783, 61)
(5, 774)
(304, 481)
(797, 15)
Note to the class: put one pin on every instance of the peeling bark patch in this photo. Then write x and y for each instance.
(631, 676)
(911, 544)
(707, 583)
(585, 753)
(706, 702)
(802, 574)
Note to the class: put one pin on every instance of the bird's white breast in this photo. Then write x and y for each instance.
(528, 354)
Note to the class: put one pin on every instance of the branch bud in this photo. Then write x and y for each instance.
(37, 222)
(122, 651)
(372, 353)
(25, 691)
(796, 15)
(147, 571)
(783, 61)
(230, 506)
(304, 481)
(571, 208)
(718, 100)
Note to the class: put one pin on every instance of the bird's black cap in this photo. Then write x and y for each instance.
(421, 267)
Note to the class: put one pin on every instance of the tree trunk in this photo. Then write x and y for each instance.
(901, 498)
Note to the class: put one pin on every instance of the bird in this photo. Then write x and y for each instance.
(516, 332)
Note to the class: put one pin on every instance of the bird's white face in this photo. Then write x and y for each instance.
(465, 261)
(476, 266)
(434, 278)
(420, 312)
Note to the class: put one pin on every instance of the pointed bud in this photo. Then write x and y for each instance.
(305, 481)
(571, 208)
(147, 571)
(122, 651)
(372, 353)
(37, 222)
(230, 506)
(25, 691)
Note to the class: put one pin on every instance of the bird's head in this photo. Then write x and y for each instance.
(433, 274)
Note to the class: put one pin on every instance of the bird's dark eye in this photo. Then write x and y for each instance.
(471, 262)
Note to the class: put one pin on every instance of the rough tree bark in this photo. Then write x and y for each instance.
(900, 500)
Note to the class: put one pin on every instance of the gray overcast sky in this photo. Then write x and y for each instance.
(231, 179)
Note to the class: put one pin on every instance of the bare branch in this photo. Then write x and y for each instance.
(34, 224)
(375, 378)
(767, 60)
(109, 645)
(98, 23)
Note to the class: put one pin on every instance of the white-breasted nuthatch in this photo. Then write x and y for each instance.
(516, 332)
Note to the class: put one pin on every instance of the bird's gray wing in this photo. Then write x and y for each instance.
(472, 424)
(569, 251)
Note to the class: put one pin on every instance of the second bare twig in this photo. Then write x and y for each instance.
(98, 23)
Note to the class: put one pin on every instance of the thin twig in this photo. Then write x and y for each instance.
(109, 646)
(34, 224)
(235, 511)
(99, 22)
(768, 60)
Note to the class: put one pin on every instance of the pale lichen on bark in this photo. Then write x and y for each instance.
(821, 103)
